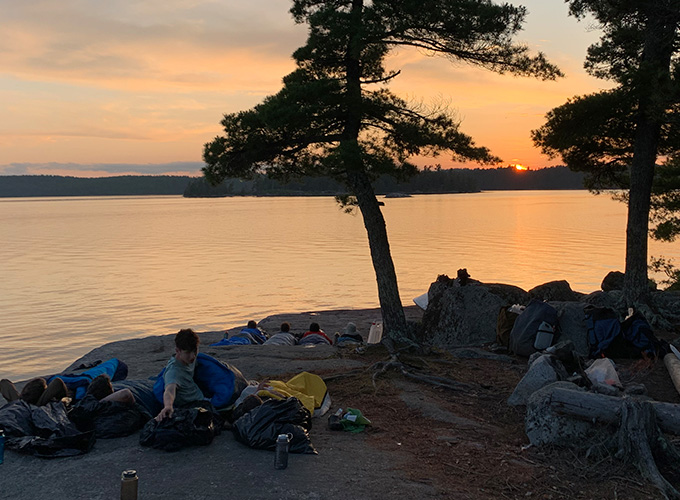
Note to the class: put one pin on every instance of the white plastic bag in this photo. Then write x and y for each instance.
(603, 371)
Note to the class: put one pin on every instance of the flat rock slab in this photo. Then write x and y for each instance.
(147, 357)
(415, 398)
(347, 466)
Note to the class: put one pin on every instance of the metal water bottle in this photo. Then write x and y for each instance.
(2, 446)
(128, 485)
(281, 453)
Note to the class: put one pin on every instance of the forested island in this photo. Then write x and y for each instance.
(430, 180)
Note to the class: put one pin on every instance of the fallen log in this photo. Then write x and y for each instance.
(640, 443)
(589, 406)
(641, 424)
(673, 366)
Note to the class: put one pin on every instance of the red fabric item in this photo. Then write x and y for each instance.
(320, 332)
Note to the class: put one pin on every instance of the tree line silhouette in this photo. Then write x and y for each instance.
(430, 180)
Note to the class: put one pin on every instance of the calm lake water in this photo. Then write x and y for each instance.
(79, 272)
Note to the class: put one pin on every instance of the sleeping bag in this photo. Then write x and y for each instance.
(77, 384)
(260, 427)
(44, 431)
(220, 382)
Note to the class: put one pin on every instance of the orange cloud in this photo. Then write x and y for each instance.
(148, 81)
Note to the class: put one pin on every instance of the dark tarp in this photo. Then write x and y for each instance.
(195, 424)
(44, 431)
(108, 419)
(260, 427)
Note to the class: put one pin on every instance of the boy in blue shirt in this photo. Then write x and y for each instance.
(180, 387)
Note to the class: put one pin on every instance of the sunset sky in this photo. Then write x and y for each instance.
(92, 88)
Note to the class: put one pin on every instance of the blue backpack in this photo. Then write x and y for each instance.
(633, 338)
(603, 327)
(640, 336)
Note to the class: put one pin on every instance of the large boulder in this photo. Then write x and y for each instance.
(546, 427)
(460, 315)
(554, 290)
(613, 281)
(543, 371)
(613, 300)
(571, 318)
(511, 294)
(667, 305)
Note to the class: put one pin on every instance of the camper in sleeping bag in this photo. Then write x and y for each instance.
(191, 376)
(77, 383)
(250, 335)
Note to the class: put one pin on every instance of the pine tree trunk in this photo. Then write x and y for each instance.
(359, 182)
(653, 90)
(637, 229)
(374, 222)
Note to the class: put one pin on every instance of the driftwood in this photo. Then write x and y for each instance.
(673, 366)
(640, 441)
(640, 438)
(589, 406)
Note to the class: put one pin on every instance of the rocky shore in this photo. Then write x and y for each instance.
(460, 440)
(346, 464)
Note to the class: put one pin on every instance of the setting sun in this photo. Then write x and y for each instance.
(519, 167)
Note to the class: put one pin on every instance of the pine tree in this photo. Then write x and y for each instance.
(335, 115)
(617, 136)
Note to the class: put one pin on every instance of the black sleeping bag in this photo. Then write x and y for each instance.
(43, 431)
(260, 427)
(108, 419)
(195, 424)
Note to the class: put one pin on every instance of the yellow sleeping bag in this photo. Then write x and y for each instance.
(310, 389)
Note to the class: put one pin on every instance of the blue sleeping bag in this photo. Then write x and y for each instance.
(220, 382)
(77, 384)
(232, 341)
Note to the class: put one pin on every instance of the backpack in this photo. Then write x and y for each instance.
(261, 426)
(504, 323)
(633, 338)
(638, 333)
(603, 327)
(539, 319)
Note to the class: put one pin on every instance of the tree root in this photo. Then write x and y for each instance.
(381, 367)
(350, 373)
(640, 439)
(390, 344)
(446, 383)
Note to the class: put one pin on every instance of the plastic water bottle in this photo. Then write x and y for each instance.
(334, 421)
(375, 333)
(281, 454)
(544, 336)
(2, 446)
(128, 485)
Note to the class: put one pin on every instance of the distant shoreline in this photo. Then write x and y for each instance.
(435, 181)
